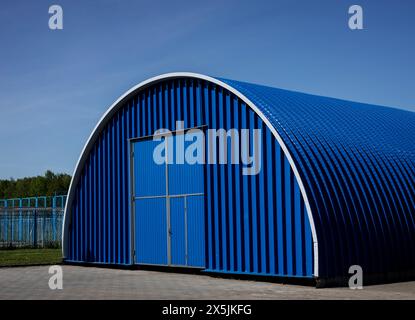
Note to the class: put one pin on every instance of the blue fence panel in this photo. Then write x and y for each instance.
(22, 227)
(31, 221)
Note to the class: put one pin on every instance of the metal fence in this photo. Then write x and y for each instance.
(57, 201)
(30, 227)
(31, 222)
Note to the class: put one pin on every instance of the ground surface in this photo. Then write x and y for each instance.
(102, 283)
(19, 257)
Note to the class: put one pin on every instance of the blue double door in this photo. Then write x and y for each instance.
(168, 206)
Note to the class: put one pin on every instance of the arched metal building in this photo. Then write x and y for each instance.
(336, 185)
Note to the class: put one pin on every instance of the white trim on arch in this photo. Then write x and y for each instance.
(118, 103)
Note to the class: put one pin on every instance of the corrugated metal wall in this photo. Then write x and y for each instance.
(254, 224)
(357, 162)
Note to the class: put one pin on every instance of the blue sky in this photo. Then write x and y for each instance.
(55, 85)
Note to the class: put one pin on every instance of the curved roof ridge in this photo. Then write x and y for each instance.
(316, 95)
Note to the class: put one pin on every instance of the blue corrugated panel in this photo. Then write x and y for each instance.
(244, 240)
(357, 163)
(178, 231)
(150, 177)
(184, 178)
(151, 236)
(195, 231)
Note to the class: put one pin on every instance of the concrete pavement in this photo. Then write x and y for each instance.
(102, 283)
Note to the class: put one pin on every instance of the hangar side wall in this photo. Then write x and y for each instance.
(254, 224)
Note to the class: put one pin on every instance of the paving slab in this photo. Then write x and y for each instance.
(104, 283)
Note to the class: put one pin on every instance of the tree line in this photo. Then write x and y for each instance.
(47, 185)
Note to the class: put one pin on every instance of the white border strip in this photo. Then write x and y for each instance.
(119, 102)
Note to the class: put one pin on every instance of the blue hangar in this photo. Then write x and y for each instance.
(335, 184)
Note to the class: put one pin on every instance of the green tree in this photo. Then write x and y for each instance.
(47, 185)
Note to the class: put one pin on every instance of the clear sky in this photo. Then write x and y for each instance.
(55, 85)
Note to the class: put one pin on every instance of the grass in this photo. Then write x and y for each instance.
(25, 257)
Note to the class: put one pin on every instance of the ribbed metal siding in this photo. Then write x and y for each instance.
(185, 178)
(100, 226)
(195, 219)
(254, 224)
(178, 236)
(358, 165)
(151, 236)
(147, 172)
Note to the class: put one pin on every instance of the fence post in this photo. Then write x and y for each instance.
(20, 224)
(54, 218)
(35, 229)
(42, 230)
(6, 227)
(11, 229)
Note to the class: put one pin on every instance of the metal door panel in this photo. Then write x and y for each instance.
(150, 177)
(178, 231)
(185, 177)
(195, 231)
(164, 234)
(151, 231)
